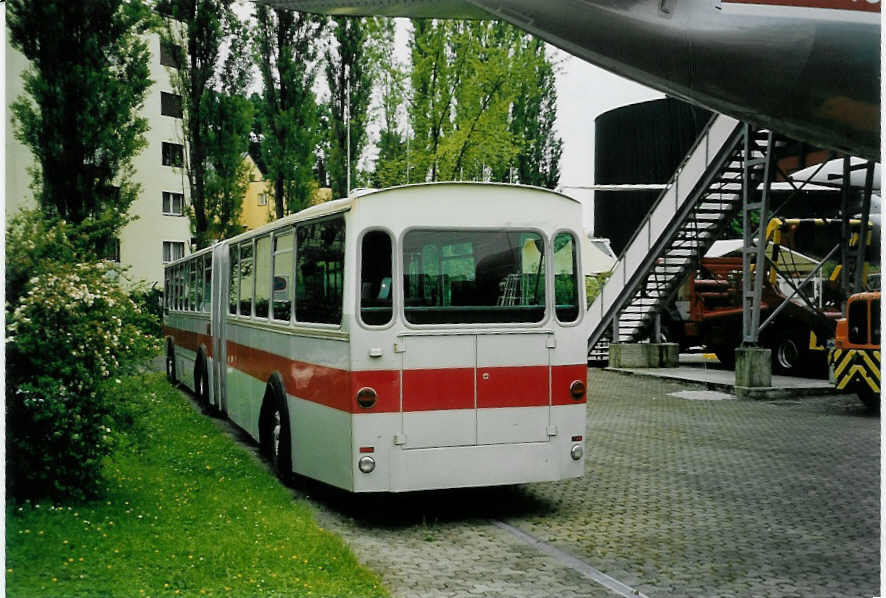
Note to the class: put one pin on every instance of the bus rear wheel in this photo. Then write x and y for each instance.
(201, 385)
(276, 437)
(170, 366)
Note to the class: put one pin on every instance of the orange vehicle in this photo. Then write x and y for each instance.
(855, 358)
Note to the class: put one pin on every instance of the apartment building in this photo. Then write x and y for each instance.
(160, 231)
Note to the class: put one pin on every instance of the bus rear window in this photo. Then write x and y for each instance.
(473, 277)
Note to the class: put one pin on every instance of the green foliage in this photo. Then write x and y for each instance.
(482, 106)
(228, 121)
(85, 86)
(285, 47)
(534, 115)
(594, 285)
(197, 33)
(71, 334)
(185, 511)
(71, 330)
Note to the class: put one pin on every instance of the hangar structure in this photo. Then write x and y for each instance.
(793, 83)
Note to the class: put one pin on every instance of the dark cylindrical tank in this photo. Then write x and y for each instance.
(638, 144)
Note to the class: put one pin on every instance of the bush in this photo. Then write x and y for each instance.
(72, 333)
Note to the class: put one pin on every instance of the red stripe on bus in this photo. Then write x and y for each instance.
(423, 390)
(189, 340)
(429, 390)
(318, 384)
(520, 386)
(860, 5)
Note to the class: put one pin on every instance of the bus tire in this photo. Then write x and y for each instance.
(201, 384)
(170, 364)
(275, 434)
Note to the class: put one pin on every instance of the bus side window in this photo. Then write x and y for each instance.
(197, 277)
(180, 287)
(167, 290)
(186, 273)
(234, 298)
(565, 278)
(319, 271)
(247, 278)
(376, 308)
(207, 282)
(262, 276)
(282, 284)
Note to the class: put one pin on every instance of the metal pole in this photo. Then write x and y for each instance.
(844, 239)
(348, 122)
(863, 229)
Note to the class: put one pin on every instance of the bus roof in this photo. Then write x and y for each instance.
(344, 204)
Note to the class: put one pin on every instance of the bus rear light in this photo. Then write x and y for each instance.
(366, 464)
(366, 397)
(576, 439)
(367, 449)
(577, 452)
(577, 389)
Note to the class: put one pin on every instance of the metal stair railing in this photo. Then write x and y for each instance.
(697, 175)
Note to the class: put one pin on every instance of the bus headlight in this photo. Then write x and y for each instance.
(366, 464)
(366, 397)
(577, 389)
(577, 452)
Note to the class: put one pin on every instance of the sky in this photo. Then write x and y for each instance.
(583, 93)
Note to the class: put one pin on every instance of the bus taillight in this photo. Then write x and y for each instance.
(366, 397)
(577, 390)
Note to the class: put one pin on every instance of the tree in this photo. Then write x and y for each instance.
(195, 33)
(534, 116)
(349, 74)
(391, 166)
(85, 86)
(286, 51)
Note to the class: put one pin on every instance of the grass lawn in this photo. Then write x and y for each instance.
(185, 511)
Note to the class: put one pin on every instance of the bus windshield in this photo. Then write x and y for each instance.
(476, 276)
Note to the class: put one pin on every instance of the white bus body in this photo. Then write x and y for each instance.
(436, 301)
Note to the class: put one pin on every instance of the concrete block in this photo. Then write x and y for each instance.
(669, 355)
(643, 355)
(753, 367)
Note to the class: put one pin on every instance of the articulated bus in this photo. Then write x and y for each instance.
(420, 337)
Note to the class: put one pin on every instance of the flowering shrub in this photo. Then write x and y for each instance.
(72, 332)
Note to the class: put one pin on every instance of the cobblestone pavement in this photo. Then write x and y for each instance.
(680, 498)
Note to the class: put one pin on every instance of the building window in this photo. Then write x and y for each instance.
(173, 204)
(173, 154)
(170, 104)
(173, 250)
(169, 54)
(262, 199)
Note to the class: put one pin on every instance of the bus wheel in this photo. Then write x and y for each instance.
(170, 365)
(276, 438)
(201, 385)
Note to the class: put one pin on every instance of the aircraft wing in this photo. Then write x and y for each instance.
(809, 69)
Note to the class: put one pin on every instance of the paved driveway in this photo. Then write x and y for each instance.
(682, 497)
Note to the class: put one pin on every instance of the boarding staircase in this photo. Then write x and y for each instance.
(700, 200)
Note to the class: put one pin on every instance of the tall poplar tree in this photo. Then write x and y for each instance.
(534, 116)
(85, 85)
(286, 49)
(196, 33)
(349, 75)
